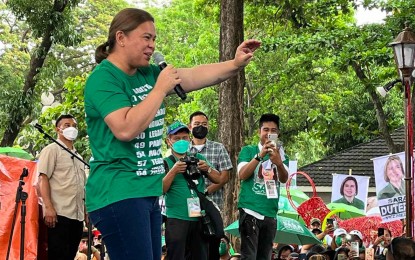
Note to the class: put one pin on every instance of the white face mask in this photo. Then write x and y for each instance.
(70, 133)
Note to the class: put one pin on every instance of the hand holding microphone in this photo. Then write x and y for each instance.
(159, 60)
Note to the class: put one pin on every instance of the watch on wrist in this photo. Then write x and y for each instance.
(257, 157)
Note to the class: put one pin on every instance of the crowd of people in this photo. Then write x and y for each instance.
(338, 244)
(125, 116)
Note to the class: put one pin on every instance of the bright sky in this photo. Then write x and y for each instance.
(365, 16)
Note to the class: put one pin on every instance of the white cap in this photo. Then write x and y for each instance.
(339, 232)
(357, 233)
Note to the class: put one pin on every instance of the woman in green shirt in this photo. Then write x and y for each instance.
(124, 107)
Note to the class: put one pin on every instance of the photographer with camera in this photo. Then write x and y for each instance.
(184, 230)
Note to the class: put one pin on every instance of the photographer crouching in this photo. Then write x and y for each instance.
(185, 234)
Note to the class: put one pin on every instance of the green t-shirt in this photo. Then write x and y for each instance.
(121, 170)
(356, 202)
(253, 194)
(178, 193)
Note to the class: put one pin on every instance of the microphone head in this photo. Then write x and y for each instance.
(158, 58)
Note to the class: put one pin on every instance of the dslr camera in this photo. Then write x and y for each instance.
(191, 169)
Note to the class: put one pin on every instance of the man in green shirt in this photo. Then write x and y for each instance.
(184, 233)
(260, 168)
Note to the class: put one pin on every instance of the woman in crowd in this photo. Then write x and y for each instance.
(381, 243)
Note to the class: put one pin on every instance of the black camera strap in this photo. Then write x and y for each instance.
(212, 212)
(190, 183)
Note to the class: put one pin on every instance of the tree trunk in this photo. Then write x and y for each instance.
(231, 100)
(18, 113)
(380, 114)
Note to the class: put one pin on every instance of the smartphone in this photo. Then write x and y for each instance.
(381, 232)
(273, 137)
(330, 221)
(354, 246)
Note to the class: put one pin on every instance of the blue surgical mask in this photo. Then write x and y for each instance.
(181, 146)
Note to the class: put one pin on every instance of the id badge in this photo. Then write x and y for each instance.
(271, 189)
(193, 207)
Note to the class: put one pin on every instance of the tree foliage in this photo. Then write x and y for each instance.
(317, 69)
(44, 42)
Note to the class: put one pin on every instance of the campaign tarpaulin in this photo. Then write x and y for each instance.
(390, 186)
(345, 183)
(10, 171)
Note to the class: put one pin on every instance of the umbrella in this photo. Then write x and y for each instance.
(292, 215)
(289, 231)
(296, 195)
(346, 211)
(284, 204)
(16, 152)
(286, 210)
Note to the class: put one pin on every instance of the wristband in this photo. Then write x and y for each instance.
(257, 157)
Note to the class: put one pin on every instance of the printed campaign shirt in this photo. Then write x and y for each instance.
(121, 169)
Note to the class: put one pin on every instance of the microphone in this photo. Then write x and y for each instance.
(159, 60)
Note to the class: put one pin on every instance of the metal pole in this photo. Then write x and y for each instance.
(408, 161)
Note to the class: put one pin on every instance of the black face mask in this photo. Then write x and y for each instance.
(200, 132)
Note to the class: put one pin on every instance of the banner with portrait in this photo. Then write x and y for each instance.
(350, 190)
(390, 186)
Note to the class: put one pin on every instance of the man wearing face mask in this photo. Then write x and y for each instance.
(184, 233)
(216, 154)
(61, 187)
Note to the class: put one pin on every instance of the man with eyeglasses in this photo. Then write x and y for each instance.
(216, 154)
(401, 248)
(184, 232)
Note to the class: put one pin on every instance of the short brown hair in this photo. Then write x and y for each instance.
(349, 178)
